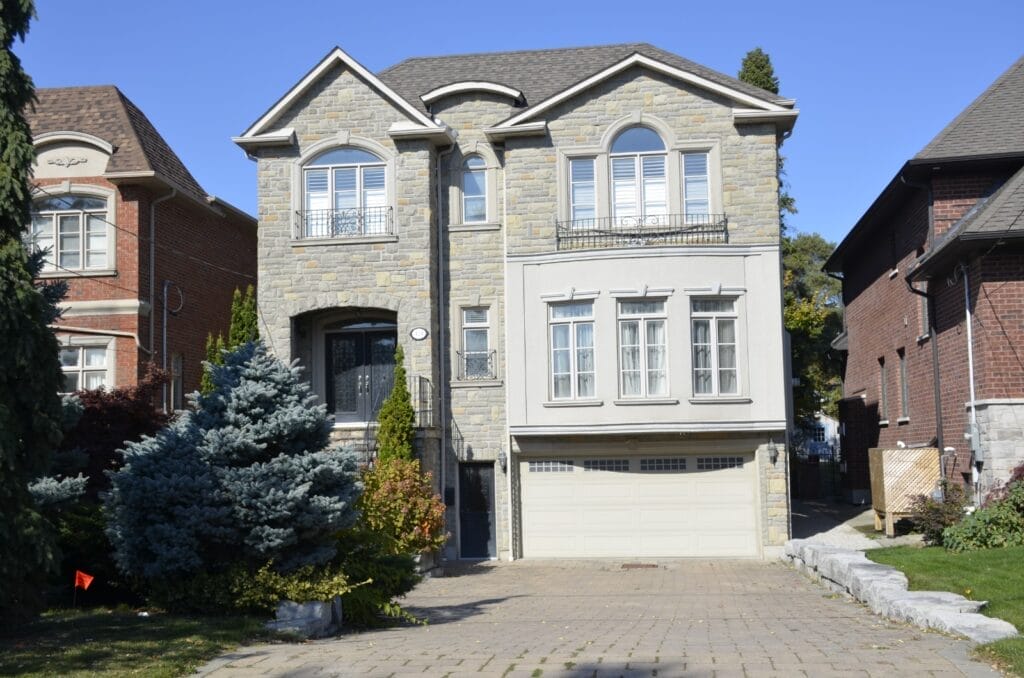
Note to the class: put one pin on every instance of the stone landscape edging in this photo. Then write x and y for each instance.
(884, 590)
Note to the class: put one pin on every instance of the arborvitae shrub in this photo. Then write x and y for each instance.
(397, 418)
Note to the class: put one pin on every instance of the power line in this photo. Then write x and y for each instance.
(156, 244)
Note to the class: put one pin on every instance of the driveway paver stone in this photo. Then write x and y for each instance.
(568, 618)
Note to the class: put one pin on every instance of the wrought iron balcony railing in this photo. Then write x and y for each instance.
(421, 392)
(476, 365)
(646, 231)
(354, 222)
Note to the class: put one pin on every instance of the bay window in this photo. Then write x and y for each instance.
(571, 328)
(643, 365)
(713, 327)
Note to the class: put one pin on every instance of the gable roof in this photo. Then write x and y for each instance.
(542, 74)
(105, 112)
(997, 217)
(991, 126)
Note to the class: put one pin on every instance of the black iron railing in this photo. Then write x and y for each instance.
(476, 365)
(354, 222)
(421, 392)
(646, 231)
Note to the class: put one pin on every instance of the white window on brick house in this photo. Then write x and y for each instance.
(571, 332)
(715, 349)
(643, 349)
(345, 194)
(84, 367)
(474, 190)
(73, 229)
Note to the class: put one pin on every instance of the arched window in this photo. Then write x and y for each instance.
(345, 194)
(474, 190)
(638, 173)
(73, 228)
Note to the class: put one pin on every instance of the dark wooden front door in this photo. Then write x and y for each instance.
(476, 510)
(360, 372)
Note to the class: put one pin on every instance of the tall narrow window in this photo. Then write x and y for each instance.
(177, 382)
(715, 368)
(571, 329)
(643, 366)
(883, 391)
(73, 228)
(904, 387)
(582, 192)
(474, 190)
(477, 358)
(696, 201)
(345, 195)
(638, 175)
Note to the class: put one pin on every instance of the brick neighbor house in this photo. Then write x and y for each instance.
(134, 235)
(579, 251)
(933, 282)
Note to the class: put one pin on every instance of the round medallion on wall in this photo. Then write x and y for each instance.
(418, 333)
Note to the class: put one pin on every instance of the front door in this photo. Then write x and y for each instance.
(360, 371)
(476, 510)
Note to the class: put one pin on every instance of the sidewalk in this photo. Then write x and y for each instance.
(840, 524)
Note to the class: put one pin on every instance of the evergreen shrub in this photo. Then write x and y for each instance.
(397, 418)
(999, 524)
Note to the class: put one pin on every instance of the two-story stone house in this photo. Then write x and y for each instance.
(579, 251)
(132, 232)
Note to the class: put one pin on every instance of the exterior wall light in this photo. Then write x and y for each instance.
(503, 461)
(773, 451)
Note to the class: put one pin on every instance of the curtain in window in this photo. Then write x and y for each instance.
(629, 348)
(702, 377)
(657, 375)
(561, 362)
(585, 360)
(727, 378)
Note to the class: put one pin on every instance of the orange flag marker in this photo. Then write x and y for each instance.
(82, 580)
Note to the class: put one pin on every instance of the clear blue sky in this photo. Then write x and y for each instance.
(874, 80)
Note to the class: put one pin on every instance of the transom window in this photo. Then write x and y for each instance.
(85, 367)
(474, 190)
(477, 358)
(551, 466)
(643, 366)
(572, 350)
(73, 229)
(617, 465)
(345, 193)
(715, 370)
(718, 463)
(638, 172)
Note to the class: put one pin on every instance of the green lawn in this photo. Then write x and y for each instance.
(120, 643)
(995, 575)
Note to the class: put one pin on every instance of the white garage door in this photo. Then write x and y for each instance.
(660, 506)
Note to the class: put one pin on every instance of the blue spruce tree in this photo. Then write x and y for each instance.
(245, 477)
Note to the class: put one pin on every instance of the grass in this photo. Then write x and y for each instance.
(995, 575)
(121, 643)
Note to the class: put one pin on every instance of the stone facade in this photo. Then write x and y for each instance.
(434, 265)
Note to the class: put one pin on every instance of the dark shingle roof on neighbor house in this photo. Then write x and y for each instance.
(993, 125)
(991, 128)
(105, 112)
(540, 74)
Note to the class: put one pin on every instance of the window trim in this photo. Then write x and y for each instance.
(298, 193)
(642, 319)
(713, 316)
(904, 387)
(65, 188)
(106, 342)
(573, 349)
(466, 170)
(456, 207)
(883, 392)
(491, 372)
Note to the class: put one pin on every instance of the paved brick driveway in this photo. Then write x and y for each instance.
(685, 618)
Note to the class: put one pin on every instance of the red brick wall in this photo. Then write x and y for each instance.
(194, 247)
(188, 234)
(954, 194)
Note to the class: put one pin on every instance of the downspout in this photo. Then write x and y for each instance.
(975, 446)
(509, 468)
(152, 266)
(441, 306)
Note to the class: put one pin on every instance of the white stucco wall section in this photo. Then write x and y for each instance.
(747, 273)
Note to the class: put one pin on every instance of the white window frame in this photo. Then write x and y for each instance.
(476, 326)
(368, 226)
(52, 263)
(573, 323)
(589, 221)
(883, 393)
(82, 346)
(904, 387)
(712, 318)
(480, 170)
(641, 214)
(643, 319)
(685, 199)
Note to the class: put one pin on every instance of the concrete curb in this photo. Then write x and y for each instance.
(884, 590)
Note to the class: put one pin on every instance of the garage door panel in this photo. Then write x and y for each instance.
(664, 513)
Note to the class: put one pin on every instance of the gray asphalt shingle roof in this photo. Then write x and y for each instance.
(992, 125)
(105, 112)
(539, 74)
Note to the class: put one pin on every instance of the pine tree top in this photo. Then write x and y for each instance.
(757, 70)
